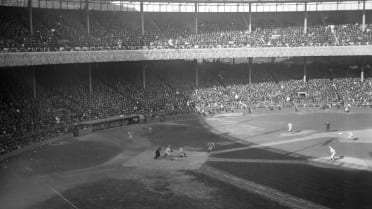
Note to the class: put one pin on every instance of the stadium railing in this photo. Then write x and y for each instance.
(45, 58)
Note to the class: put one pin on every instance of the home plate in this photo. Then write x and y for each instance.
(344, 161)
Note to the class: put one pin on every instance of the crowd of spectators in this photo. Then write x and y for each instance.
(25, 120)
(290, 93)
(353, 91)
(64, 98)
(66, 30)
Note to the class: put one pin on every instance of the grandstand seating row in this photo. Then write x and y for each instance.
(65, 30)
(63, 96)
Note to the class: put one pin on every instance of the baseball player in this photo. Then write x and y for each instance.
(332, 152)
(130, 137)
(182, 153)
(157, 153)
(289, 127)
(350, 136)
(211, 146)
(328, 126)
(167, 151)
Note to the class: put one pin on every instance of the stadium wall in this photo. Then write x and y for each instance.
(64, 57)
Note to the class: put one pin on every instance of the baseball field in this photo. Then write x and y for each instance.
(256, 163)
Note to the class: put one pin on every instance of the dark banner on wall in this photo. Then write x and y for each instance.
(96, 125)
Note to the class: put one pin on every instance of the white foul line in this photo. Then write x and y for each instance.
(61, 196)
(268, 144)
(265, 191)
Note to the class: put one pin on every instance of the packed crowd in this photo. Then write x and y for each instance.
(25, 120)
(67, 31)
(285, 36)
(353, 91)
(64, 98)
(314, 93)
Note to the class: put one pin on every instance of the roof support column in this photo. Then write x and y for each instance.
(143, 76)
(142, 19)
(364, 17)
(196, 18)
(34, 81)
(305, 19)
(304, 70)
(87, 15)
(90, 80)
(196, 74)
(30, 17)
(250, 70)
(250, 18)
(362, 71)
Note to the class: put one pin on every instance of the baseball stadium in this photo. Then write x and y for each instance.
(203, 104)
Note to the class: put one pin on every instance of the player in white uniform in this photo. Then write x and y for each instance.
(182, 153)
(130, 137)
(347, 108)
(289, 127)
(350, 136)
(167, 151)
(332, 152)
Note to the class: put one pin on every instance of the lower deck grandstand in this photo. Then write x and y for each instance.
(63, 95)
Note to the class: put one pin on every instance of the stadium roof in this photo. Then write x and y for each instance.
(242, 1)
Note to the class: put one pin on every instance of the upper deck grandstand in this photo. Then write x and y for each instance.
(61, 26)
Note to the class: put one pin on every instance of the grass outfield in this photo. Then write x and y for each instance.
(63, 157)
(131, 194)
(285, 161)
(254, 153)
(334, 188)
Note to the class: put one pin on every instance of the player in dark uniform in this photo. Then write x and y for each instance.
(182, 153)
(327, 126)
(157, 153)
(211, 146)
